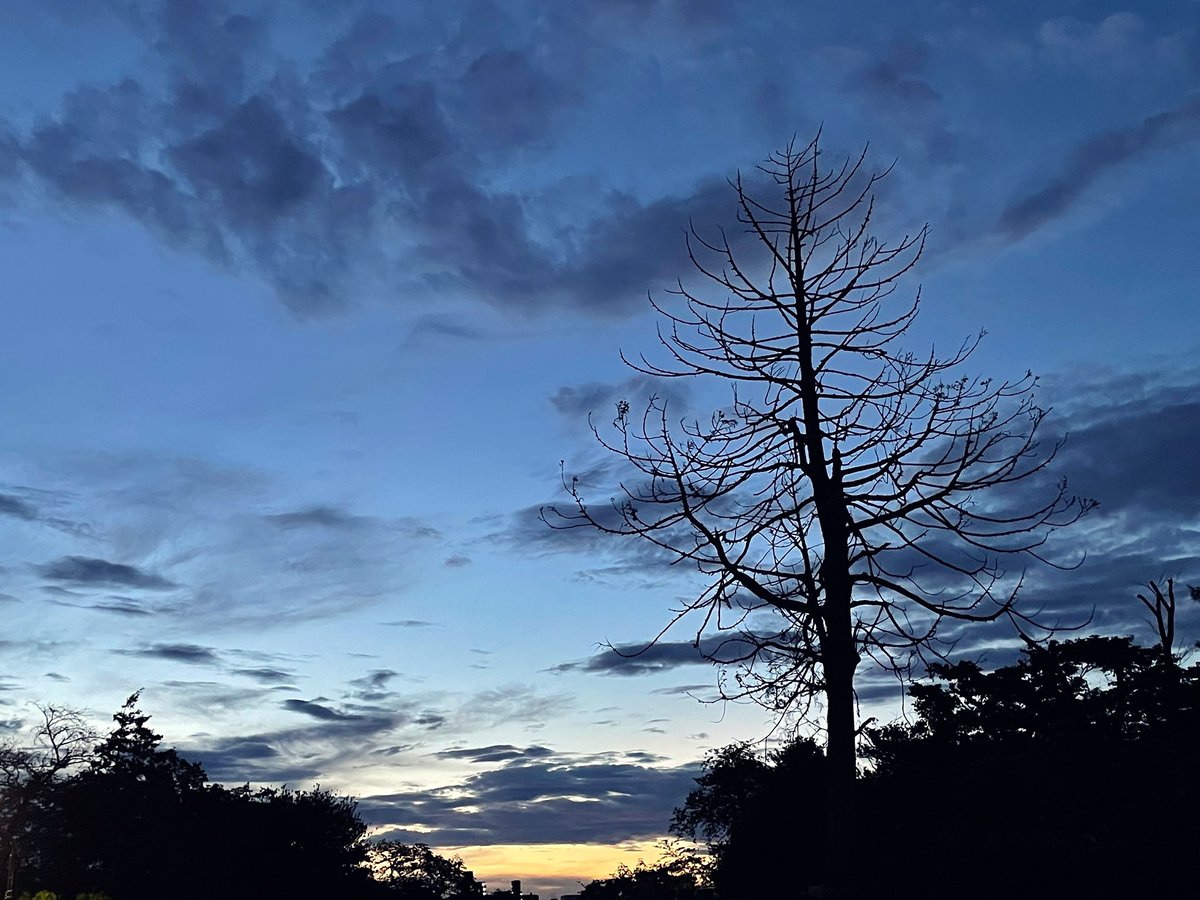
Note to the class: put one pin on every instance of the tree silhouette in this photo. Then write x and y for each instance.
(735, 810)
(840, 490)
(671, 879)
(60, 742)
(1063, 774)
(415, 872)
(1068, 773)
(136, 820)
(129, 822)
(1162, 607)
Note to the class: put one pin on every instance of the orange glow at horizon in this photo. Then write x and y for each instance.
(543, 864)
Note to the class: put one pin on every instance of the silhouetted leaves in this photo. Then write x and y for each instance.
(140, 821)
(1060, 775)
(673, 879)
(415, 872)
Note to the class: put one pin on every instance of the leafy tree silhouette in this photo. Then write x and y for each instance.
(141, 822)
(1069, 773)
(738, 810)
(672, 879)
(1062, 774)
(61, 741)
(415, 872)
(128, 822)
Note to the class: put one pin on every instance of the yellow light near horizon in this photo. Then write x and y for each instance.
(543, 864)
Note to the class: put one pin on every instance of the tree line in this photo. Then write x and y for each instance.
(126, 818)
(1069, 773)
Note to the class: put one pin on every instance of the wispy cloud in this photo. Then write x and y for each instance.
(16, 507)
(1094, 158)
(660, 656)
(318, 711)
(561, 799)
(85, 570)
(192, 654)
(495, 753)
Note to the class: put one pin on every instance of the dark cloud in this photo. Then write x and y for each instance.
(633, 246)
(304, 754)
(894, 78)
(89, 570)
(317, 516)
(457, 561)
(660, 656)
(16, 507)
(552, 801)
(441, 329)
(429, 719)
(376, 680)
(250, 167)
(208, 40)
(410, 623)
(686, 689)
(1130, 441)
(234, 761)
(897, 89)
(1093, 158)
(185, 653)
(415, 528)
(496, 753)
(317, 711)
(506, 97)
(373, 686)
(394, 750)
(645, 758)
(231, 180)
(575, 402)
(267, 675)
(375, 159)
(547, 529)
(266, 170)
(122, 607)
(1129, 444)
(19, 505)
(1137, 457)
(403, 131)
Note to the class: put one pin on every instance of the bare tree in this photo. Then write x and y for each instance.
(1162, 607)
(62, 740)
(835, 504)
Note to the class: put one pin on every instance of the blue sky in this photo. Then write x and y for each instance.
(303, 304)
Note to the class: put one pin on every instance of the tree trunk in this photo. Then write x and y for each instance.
(841, 765)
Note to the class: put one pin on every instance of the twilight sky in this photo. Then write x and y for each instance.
(302, 304)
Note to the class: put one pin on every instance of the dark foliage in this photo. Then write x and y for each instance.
(676, 878)
(415, 872)
(60, 743)
(749, 808)
(138, 821)
(1070, 773)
